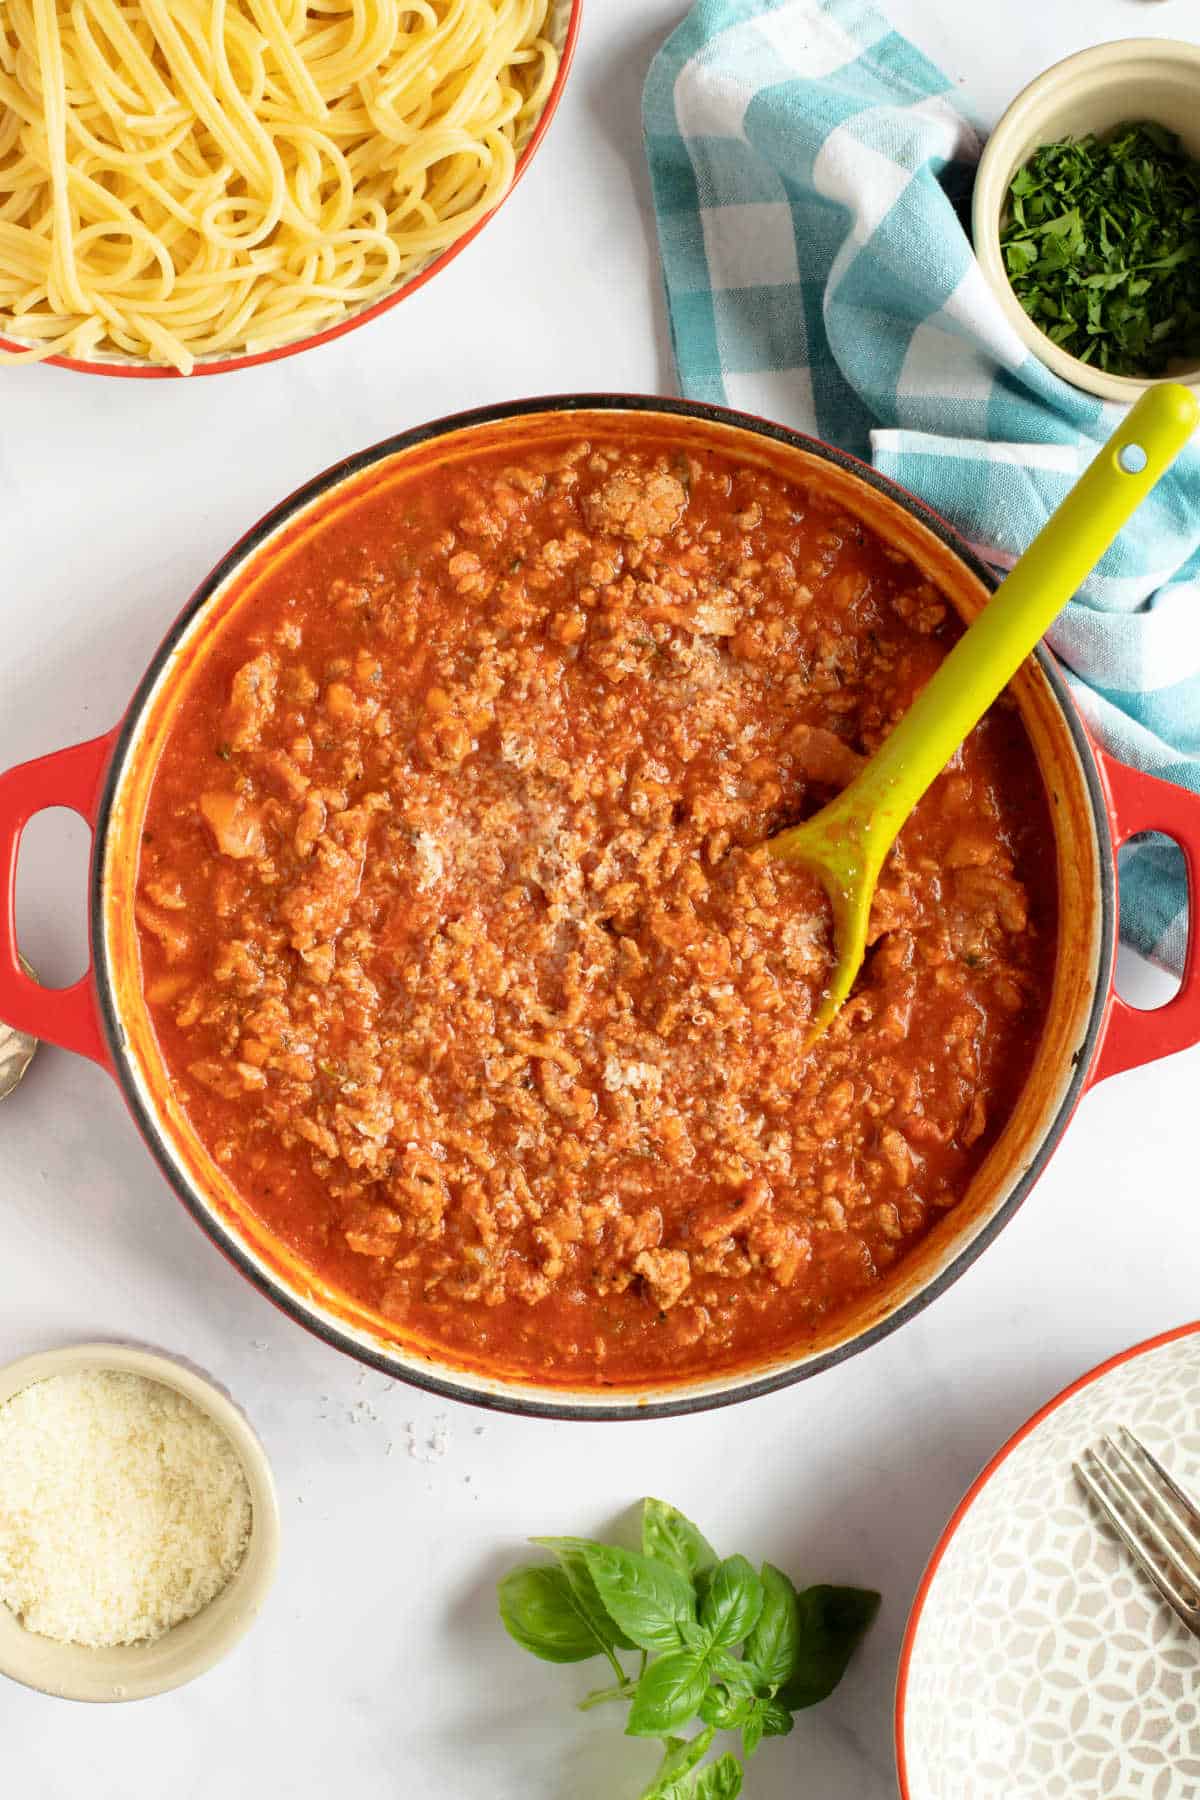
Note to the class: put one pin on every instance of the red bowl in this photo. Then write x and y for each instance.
(135, 371)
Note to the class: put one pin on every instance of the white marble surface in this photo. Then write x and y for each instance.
(378, 1670)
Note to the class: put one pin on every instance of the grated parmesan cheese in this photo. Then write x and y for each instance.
(123, 1508)
(431, 864)
(636, 1075)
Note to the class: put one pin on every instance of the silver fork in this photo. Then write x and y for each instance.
(1157, 1521)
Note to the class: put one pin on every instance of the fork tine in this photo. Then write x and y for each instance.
(1146, 1520)
(1187, 1517)
(1180, 1516)
(1168, 1545)
(1179, 1605)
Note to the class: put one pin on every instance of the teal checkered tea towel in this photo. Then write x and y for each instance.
(809, 170)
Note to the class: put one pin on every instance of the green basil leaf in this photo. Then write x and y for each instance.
(672, 1539)
(724, 1710)
(764, 1718)
(771, 1646)
(569, 1553)
(668, 1694)
(681, 1758)
(832, 1623)
(684, 1788)
(777, 1721)
(720, 1780)
(741, 1676)
(539, 1611)
(648, 1600)
(732, 1602)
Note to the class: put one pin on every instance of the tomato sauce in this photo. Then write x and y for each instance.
(463, 953)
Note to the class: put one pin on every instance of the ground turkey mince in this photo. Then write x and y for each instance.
(464, 956)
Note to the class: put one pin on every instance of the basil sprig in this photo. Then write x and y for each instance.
(734, 1648)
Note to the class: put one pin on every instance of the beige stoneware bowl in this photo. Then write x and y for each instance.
(135, 1671)
(1135, 78)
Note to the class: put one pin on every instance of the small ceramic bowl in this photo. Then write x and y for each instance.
(135, 1671)
(1136, 78)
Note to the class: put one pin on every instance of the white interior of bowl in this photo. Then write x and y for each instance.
(558, 23)
(1094, 91)
(135, 1671)
(1080, 928)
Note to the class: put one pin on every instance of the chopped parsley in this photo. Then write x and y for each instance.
(1101, 242)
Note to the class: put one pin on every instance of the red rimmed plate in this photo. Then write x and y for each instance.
(1038, 1663)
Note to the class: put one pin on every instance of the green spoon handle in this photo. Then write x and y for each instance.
(991, 651)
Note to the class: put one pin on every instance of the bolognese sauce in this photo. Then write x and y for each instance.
(465, 958)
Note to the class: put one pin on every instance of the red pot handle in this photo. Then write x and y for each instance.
(1132, 1037)
(67, 1016)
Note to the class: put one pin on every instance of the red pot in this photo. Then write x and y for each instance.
(1097, 804)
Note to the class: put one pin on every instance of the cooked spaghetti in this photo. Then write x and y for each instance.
(187, 178)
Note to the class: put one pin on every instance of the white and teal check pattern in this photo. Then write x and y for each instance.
(811, 175)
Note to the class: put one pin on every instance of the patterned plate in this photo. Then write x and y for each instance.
(1038, 1663)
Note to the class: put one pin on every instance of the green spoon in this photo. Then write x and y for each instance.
(846, 843)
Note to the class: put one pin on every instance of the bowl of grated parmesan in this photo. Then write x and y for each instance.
(139, 1527)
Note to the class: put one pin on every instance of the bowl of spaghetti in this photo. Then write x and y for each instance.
(193, 186)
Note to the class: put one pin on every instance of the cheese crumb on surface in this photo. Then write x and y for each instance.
(428, 1446)
(641, 1076)
(123, 1508)
(431, 864)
